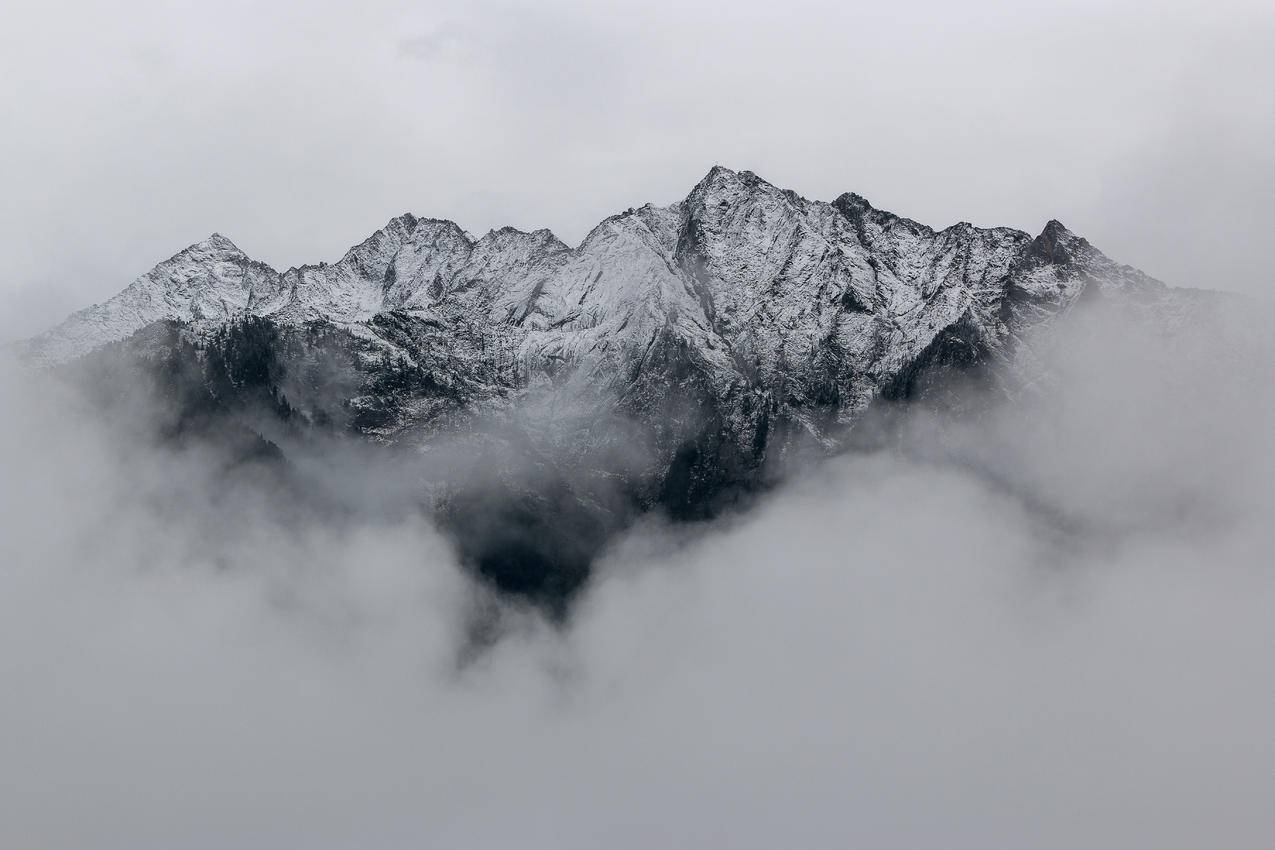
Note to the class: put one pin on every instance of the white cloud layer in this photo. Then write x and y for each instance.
(1055, 633)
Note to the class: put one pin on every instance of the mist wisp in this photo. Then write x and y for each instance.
(1043, 622)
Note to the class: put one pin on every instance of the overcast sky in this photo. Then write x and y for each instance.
(298, 129)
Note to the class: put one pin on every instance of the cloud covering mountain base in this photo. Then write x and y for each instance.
(1044, 625)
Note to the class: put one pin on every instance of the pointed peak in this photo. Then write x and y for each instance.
(717, 176)
(853, 201)
(505, 233)
(401, 228)
(427, 229)
(435, 223)
(1055, 229)
(857, 208)
(215, 242)
(717, 172)
(509, 235)
(399, 224)
(547, 237)
(722, 186)
(506, 230)
(1056, 244)
(371, 255)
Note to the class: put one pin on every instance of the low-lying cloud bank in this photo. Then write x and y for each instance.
(1049, 625)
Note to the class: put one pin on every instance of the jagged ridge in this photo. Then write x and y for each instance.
(666, 360)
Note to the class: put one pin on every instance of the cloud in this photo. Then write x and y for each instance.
(1046, 626)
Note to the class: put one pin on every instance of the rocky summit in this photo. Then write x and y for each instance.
(668, 362)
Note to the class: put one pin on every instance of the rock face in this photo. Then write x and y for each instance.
(816, 305)
(666, 360)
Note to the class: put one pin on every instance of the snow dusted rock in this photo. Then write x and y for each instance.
(744, 309)
(830, 299)
(667, 360)
(211, 282)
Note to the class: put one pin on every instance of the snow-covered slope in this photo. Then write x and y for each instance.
(676, 358)
(210, 282)
(752, 287)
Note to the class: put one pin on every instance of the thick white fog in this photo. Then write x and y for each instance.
(1055, 632)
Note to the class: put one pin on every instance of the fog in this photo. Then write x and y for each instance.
(297, 129)
(1046, 625)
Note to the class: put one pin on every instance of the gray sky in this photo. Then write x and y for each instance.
(298, 129)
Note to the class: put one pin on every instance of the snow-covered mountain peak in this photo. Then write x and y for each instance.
(740, 265)
(723, 185)
(511, 238)
(852, 203)
(678, 354)
(1056, 244)
(215, 243)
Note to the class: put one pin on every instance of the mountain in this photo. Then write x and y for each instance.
(672, 360)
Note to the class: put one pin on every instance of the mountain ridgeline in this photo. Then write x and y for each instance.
(678, 359)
